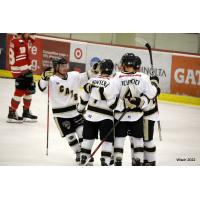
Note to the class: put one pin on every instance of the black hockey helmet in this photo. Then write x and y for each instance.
(128, 59)
(138, 62)
(106, 66)
(58, 61)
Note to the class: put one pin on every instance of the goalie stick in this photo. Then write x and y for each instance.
(148, 46)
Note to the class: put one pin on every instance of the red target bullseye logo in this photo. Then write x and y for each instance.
(78, 53)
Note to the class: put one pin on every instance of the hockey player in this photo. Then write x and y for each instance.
(135, 89)
(150, 116)
(64, 87)
(22, 72)
(99, 113)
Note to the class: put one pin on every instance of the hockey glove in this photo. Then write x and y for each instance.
(47, 74)
(155, 81)
(134, 102)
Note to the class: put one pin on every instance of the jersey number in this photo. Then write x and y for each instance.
(66, 91)
(12, 54)
(22, 50)
(128, 94)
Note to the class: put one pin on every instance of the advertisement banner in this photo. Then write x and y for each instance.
(185, 75)
(162, 61)
(78, 55)
(2, 50)
(52, 49)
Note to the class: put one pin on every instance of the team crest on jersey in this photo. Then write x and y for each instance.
(66, 124)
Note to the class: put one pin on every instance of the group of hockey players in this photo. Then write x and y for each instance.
(83, 115)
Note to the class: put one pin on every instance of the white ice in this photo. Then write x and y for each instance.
(25, 144)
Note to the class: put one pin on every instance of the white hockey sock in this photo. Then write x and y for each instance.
(132, 147)
(149, 151)
(106, 152)
(86, 147)
(79, 132)
(73, 142)
(138, 148)
(119, 147)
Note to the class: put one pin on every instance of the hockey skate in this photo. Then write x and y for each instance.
(28, 117)
(118, 162)
(84, 159)
(78, 157)
(91, 162)
(112, 160)
(103, 162)
(13, 117)
(136, 162)
(150, 163)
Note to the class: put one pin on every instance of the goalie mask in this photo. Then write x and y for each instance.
(106, 66)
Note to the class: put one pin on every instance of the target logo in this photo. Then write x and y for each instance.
(78, 53)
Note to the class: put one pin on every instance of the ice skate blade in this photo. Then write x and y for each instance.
(14, 121)
(29, 120)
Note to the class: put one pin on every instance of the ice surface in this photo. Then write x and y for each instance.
(25, 144)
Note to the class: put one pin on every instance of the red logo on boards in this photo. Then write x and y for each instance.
(78, 53)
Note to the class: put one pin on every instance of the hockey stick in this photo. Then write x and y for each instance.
(47, 145)
(147, 45)
(102, 141)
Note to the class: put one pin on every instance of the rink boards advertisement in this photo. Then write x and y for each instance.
(185, 75)
(178, 73)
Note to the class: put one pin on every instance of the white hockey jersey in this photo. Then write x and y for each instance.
(98, 103)
(137, 85)
(63, 93)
